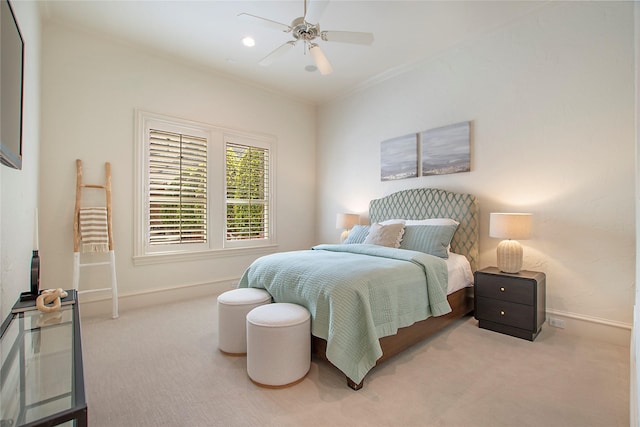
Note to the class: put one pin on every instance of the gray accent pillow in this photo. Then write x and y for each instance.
(357, 234)
(430, 239)
(388, 235)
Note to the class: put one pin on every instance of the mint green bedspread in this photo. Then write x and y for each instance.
(356, 294)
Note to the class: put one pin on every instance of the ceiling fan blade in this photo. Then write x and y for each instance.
(347, 37)
(323, 64)
(265, 22)
(314, 10)
(277, 53)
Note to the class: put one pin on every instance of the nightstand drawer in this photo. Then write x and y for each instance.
(505, 289)
(504, 312)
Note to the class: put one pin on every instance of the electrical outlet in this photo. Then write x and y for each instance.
(556, 323)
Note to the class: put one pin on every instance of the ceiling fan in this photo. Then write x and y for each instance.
(307, 29)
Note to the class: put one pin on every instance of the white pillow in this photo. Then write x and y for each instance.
(432, 221)
(393, 221)
(385, 235)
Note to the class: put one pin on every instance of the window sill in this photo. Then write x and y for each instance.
(172, 257)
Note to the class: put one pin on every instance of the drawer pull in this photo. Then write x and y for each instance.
(501, 312)
(501, 289)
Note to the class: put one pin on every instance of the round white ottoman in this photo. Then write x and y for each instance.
(278, 344)
(233, 307)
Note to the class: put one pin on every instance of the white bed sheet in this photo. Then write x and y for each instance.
(460, 274)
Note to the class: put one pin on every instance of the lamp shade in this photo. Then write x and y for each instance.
(346, 221)
(510, 225)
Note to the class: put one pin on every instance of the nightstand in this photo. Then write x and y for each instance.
(513, 304)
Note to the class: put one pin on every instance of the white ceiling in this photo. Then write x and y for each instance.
(209, 33)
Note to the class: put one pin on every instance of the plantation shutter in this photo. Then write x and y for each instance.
(247, 191)
(177, 188)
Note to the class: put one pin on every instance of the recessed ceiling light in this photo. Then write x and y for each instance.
(248, 41)
(311, 68)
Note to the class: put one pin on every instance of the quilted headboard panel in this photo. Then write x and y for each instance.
(423, 203)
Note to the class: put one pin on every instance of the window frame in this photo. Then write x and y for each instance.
(240, 140)
(216, 244)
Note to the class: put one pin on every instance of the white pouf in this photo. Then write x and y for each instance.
(233, 307)
(278, 344)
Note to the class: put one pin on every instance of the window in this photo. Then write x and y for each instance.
(247, 206)
(177, 188)
(202, 189)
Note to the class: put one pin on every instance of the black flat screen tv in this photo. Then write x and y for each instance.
(11, 87)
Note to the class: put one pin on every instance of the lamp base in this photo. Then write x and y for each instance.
(510, 256)
(344, 236)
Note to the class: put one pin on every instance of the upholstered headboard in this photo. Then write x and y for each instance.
(423, 203)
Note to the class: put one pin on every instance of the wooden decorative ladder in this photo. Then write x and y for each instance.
(78, 237)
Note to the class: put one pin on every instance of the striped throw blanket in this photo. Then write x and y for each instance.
(94, 229)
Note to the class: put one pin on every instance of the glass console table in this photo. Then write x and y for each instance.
(42, 379)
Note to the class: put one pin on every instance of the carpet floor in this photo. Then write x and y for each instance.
(160, 366)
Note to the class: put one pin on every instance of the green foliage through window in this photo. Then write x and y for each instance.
(247, 206)
(177, 188)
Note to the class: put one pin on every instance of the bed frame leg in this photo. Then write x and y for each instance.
(353, 385)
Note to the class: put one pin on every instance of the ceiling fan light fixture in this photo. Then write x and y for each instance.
(320, 59)
(306, 29)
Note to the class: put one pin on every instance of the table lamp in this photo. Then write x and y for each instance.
(510, 226)
(346, 221)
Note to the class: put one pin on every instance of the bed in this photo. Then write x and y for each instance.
(369, 302)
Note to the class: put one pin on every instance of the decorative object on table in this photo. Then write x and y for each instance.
(49, 296)
(35, 259)
(346, 221)
(512, 304)
(510, 226)
(35, 274)
(34, 289)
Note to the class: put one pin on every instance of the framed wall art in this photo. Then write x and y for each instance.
(445, 150)
(438, 151)
(399, 158)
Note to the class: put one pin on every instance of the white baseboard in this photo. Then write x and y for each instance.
(93, 305)
(634, 353)
(617, 333)
(595, 328)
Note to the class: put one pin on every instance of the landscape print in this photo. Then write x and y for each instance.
(399, 158)
(445, 150)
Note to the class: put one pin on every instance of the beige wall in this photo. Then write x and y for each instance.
(19, 188)
(551, 98)
(90, 89)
